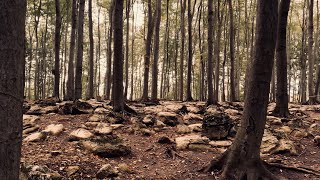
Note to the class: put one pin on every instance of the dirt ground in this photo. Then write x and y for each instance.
(149, 159)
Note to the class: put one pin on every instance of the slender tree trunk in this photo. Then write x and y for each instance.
(127, 50)
(132, 55)
(118, 99)
(210, 99)
(232, 59)
(91, 53)
(78, 78)
(242, 159)
(189, 79)
(148, 53)
(312, 97)
(12, 59)
(109, 55)
(281, 108)
(217, 54)
(57, 50)
(303, 59)
(183, 8)
(154, 91)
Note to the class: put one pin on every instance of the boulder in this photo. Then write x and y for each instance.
(101, 110)
(192, 116)
(149, 120)
(216, 127)
(71, 170)
(195, 127)
(80, 134)
(54, 129)
(220, 143)
(107, 171)
(103, 128)
(39, 172)
(29, 128)
(36, 137)
(183, 129)
(314, 129)
(269, 142)
(184, 141)
(285, 146)
(232, 112)
(30, 119)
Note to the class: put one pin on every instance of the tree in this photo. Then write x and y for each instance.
(118, 99)
(242, 159)
(189, 78)
(232, 36)
(183, 34)
(12, 59)
(78, 79)
(312, 97)
(210, 99)
(70, 81)
(281, 108)
(91, 92)
(154, 91)
(109, 54)
(57, 50)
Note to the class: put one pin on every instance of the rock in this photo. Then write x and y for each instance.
(216, 127)
(54, 129)
(103, 128)
(91, 125)
(50, 109)
(66, 108)
(39, 172)
(220, 143)
(183, 129)
(317, 140)
(160, 124)
(36, 137)
(184, 141)
(71, 170)
(147, 132)
(274, 120)
(101, 110)
(149, 120)
(34, 110)
(200, 147)
(285, 146)
(182, 110)
(106, 150)
(299, 133)
(193, 109)
(172, 107)
(80, 134)
(29, 128)
(192, 116)
(212, 110)
(106, 171)
(30, 119)
(314, 129)
(167, 114)
(26, 108)
(124, 168)
(283, 131)
(116, 126)
(232, 112)
(96, 118)
(195, 127)
(51, 101)
(83, 106)
(55, 153)
(269, 142)
(165, 140)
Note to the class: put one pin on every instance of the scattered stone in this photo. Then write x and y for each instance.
(160, 124)
(193, 109)
(91, 125)
(299, 133)
(232, 112)
(195, 127)
(285, 146)
(314, 129)
(29, 128)
(101, 110)
(106, 150)
(147, 132)
(269, 142)
(212, 110)
(80, 134)
(71, 170)
(182, 110)
(36, 137)
(183, 129)
(51, 101)
(30, 119)
(116, 126)
(103, 128)
(149, 120)
(96, 118)
(124, 168)
(106, 171)
(184, 141)
(165, 140)
(39, 172)
(283, 131)
(167, 114)
(216, 127)
(199, 147)
(317, 140)
(220, 143)
(54, 129)
(192, 116)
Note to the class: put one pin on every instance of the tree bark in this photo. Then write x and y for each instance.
(127, 50)
(109, 55)
(12, 59)
(91, 52)
(232, 59)
(57, 50)
(189, 79)
(78, 78)
(118, 99)
(312, 97)
(281, 108)
(183, 34)
(242, 159)
(154, 92)
(210, 99)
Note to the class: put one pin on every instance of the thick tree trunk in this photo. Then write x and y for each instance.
(242, 159)
(148, 53)
(210, 99)
(91, 64)
(303, 65)
(12, 59)
(281, 108)
(154, 91)
(189, 79)
(78, 79)
(118, 99)
(70, 81)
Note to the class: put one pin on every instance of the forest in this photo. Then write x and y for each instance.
(159, 89)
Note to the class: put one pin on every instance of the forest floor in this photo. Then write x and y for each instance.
(164, 141)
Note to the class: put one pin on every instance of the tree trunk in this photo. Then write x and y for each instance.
(232, 84)
(57, 50)
(12, 59)
(303, 65)
(183, 34)
(281, 108)
(70, 81)
(154, 91)
(189, 79)
(127, 50)
(118, 99)
(312, 97)
(217, 54)
(91, 64)
(210, 99)
(78, 79)
(109, 55)
(242, 159)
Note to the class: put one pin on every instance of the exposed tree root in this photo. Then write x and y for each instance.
(293, 168)
(243, 170)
